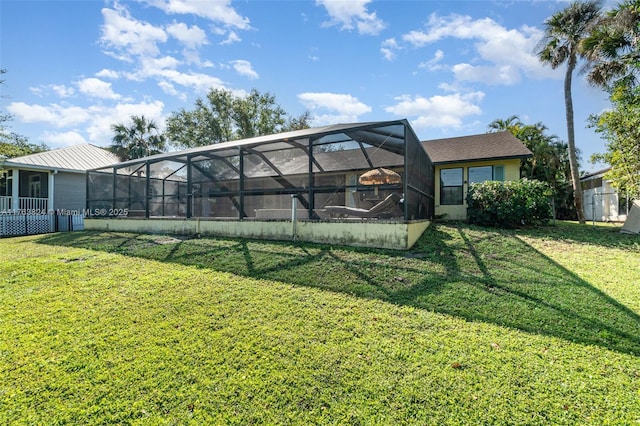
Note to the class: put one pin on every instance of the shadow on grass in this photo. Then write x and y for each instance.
(602, 234)
(476, 274)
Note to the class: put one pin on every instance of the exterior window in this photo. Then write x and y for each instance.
(451, 186)
(485, 173)
(5, 184)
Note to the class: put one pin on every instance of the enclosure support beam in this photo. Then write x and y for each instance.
(312, 203)
(366, 155)
(113, 191)
(222, 187)
(147, 210)
(189, 188)
(405, 184)
(241, 209)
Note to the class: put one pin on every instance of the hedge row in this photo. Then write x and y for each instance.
(509, 204)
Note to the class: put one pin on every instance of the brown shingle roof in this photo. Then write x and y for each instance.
(487, 146)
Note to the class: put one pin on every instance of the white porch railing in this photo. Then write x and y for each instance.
(32, 204)
(5, 203)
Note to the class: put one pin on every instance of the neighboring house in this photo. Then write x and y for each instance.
(464, 160)
(602, 202)
(50, 180)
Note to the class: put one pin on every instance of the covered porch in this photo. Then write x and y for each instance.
(28, 191)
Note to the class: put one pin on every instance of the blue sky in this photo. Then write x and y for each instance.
(449, 67)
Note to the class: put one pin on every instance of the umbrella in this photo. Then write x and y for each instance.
(379, 176)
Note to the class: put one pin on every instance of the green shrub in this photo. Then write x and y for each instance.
(509, 204)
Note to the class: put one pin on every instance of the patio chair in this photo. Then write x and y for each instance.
(384, 209)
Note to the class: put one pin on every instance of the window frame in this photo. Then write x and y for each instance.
(459, 201)
(493, 173)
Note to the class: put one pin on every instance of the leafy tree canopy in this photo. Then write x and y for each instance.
(620, 127)
(223, 116)
(613, 47)
(140, 139)
(549, 163)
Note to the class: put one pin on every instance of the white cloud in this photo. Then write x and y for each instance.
(232, 38)
(97, 88)
(218, 11)
(99, 128)
(53, 114)
(437, 111)
(352, 13)
(498, 74)
(170, 89)
(333, 107)
(193, 57)
(128, 36)
(62, 91)
(59, 90)
(96, 119)
(313, 54)
(200, 83)
(433, 64)
(504, 55)
(244, 68)
(153, 66)
(192, 37)
(62, 139)
(106, 73)
(388, 49)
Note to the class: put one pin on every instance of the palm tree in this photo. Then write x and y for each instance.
(563, 35)
(613, 47)
(511, 124)
(141, 139)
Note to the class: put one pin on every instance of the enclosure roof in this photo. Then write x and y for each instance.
(487, 146)
(259, 140)
(76, 158)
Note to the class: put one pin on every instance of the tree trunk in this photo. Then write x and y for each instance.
(571, 142)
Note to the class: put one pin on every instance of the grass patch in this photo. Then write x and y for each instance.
(472, 326)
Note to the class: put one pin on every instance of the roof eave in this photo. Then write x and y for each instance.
(477, 160)
(7, 164)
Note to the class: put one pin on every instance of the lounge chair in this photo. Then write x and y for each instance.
(384, 209)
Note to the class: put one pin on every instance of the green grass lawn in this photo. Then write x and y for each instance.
(472, 326)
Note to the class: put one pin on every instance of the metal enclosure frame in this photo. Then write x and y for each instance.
(257, 178)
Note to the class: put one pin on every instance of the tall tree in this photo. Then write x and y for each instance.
(257, 114)
(303, 121)
(613, 47)
(13, 144)
(613, 50)
(563, 35)
(549, 163)
(224, 116)
(140, 139)
(620, 127)
(510, 124)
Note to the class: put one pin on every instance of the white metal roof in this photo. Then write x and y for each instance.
(78, 158)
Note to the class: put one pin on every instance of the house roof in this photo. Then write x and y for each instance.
(76, 158)
(595, 174)
(487, 146)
